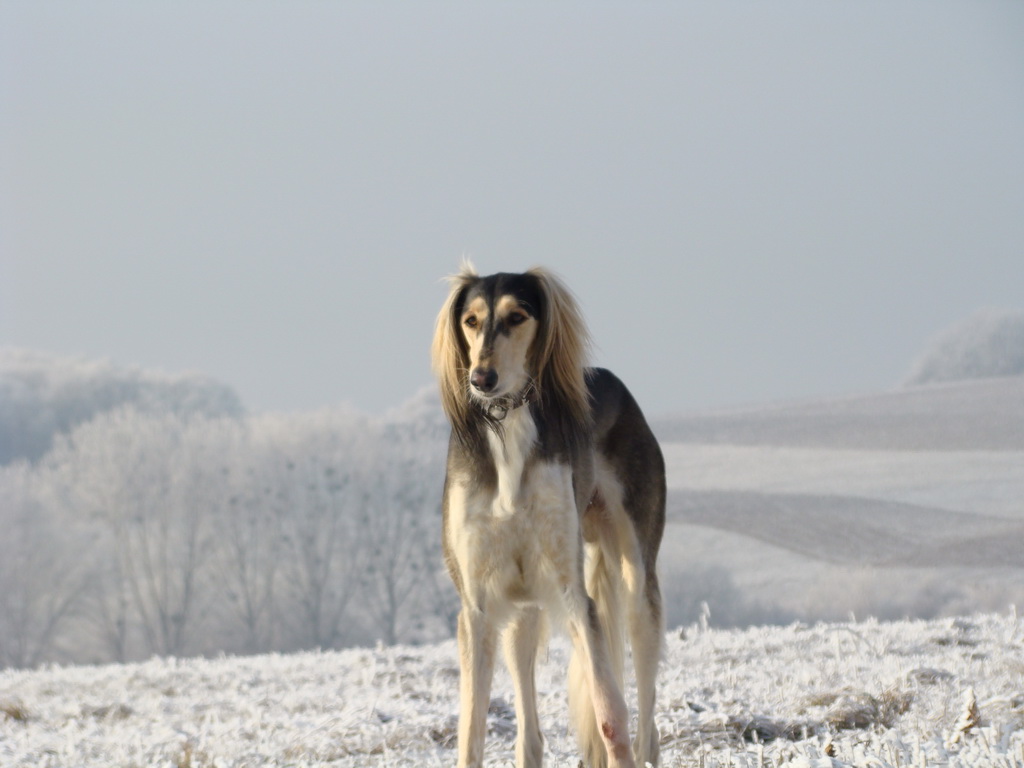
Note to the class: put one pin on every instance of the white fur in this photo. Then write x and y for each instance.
(519, 436)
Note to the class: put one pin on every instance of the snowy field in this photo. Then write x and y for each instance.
(912, 501)
(868, 694)
(894, 503)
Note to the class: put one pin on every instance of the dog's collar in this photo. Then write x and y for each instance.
(498, 408)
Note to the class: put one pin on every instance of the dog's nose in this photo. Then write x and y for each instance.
(484, 379)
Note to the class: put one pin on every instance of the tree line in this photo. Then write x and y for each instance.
(145, 531)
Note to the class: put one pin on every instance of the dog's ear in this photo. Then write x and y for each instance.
(561, 347)
(448, 352)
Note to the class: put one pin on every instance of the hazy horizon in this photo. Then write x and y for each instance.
(752, 203)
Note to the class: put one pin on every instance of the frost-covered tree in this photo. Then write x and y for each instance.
(250, 547)
(314, 490)
(988, 344)
(402, 587)
(44, 395)
(41, 576)
(144, 481)
(398, 522)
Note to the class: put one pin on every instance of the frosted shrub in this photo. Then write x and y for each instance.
(988, 344)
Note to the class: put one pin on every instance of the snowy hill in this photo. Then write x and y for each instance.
(980, 415)
(908, 502)
(871, 694)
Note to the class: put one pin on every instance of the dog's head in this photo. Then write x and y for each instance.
(502, 337)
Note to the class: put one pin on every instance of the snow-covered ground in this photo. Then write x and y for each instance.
(869, 694)
(820, 509)
(894, 503)
(979, 482)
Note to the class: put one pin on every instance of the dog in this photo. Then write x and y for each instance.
(553, 505)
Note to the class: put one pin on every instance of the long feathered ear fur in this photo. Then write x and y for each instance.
(448, 352)
(560, 352)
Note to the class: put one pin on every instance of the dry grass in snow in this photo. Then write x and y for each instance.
(939, 693)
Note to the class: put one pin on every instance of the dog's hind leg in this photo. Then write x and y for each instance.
(645, 634)
(522, 639)
(477, 640)
(646, 638)
(603, 727)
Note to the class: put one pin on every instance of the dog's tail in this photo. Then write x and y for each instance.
(604, 585)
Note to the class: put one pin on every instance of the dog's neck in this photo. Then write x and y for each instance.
(498, 408)
(510, 451)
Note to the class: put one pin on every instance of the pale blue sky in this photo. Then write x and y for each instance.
(752, 201)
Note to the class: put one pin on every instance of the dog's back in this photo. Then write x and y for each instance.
(622, 526)
(624, 439)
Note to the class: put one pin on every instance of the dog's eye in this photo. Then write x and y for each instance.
(470, 321)
(516, 318)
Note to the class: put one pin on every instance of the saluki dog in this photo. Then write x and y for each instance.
(554, 505)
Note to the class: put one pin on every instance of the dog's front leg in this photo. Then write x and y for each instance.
(522, 638)
(477, 636)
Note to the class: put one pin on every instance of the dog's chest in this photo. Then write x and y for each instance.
(518, 541)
